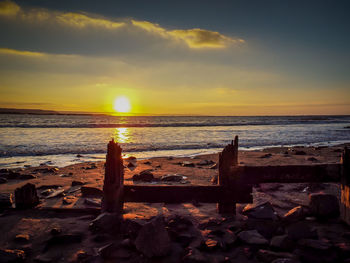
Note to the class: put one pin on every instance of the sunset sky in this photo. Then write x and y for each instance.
(171, 57)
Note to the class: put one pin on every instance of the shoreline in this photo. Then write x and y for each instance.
(62, 160)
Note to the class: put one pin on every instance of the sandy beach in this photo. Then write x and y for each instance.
(37, 224)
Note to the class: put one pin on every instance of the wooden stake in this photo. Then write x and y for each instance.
(113, 186)
(227, 158)
(345, 186)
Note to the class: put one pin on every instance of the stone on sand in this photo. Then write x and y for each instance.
(262, 211)
(252, 237)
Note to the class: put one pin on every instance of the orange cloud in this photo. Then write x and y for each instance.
(7, 51)
(8, 8)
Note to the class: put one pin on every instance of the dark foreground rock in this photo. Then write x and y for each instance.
(26, 196)
(5, 200)
(261, 211)
(153, 239)
(9, 255)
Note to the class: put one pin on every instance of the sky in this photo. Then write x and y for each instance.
(177, 57)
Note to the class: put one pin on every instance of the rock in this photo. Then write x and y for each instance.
(91, 191)
(63, 240)
(267, 228)
(75, 183)
(47, 192)
(187, 164)
(67, 200)
(55, 193)
(211, 244)
(312, 159)
(27, 176)
(282, 242)
(268, 155)
(324, 205)
(131, 166)
(79, 156)
(210, 222)
(43, 259)
(131, 227)
(9, 255)
(26, 196)
(315, 244)
(55, 231)
(300, 230)
(93, 202)
(22, 238)
(300, 153)
(252, 237)
(194, 256)
(3, 180)
(206, 162)
(6, 200)
(262, 211)
(105, 222)
(268, 255)
(4, 171)
(320, 256)
(145, 176)
(114, 251)
(296, 214)
(153, 239)
(173, 178)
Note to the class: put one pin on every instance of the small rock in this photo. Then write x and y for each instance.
(206, 162)
(147, 163)
(55, 193)
(9, 255)
(172, 178)
(27, 176)
(312, 159)
(300, 153)
(6, 200)
(22, 238)
(79, 155)
(268, 256)
(93, 202)
(91, 191)
(145, 176)
(324, 205)
(214, 166)
(153, 239)
(300, 230)
(211, 244)
(262, 211)
(252, 237)
(296, 214)
(67, 200)
(131, 166)
(187, 164)
(266, 227)
(75, 183)
(26, 196)
(3, 180)
(268, 155)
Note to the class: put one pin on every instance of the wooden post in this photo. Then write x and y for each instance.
(227, 158)
(345, 186)
(113, 186)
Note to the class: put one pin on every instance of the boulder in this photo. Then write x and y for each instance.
(252, 237)
(324, 205)
(153, 239)
(296, 214)
(131, 227)
(268, 256)
(9, 255)
(105, 222)
(267, 228)
(301, 230)
(262, 211)
(145, 176)
(26, 196)
(282, 242)
(5, 200)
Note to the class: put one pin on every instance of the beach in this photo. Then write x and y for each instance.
(197, 170)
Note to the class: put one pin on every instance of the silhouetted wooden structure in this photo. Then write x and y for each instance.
(234, 182)
(345, 186)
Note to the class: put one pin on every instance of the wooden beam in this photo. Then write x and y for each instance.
(287, 173)
(181, 194)
(345, 187)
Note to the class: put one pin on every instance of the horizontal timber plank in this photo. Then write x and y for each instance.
(288, 173)
(181, 194)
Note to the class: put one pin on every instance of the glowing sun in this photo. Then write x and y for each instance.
(122, 104)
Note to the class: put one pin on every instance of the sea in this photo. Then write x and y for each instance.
(60, 140)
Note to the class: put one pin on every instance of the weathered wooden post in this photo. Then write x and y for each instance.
(345, 186)
(227, 158)
(113, 186)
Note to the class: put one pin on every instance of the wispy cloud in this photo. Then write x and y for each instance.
(8, 51)
(10, 9)
(193, 38)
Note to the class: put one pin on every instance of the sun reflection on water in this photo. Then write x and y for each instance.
(122, 135)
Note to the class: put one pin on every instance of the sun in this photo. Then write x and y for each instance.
(122, 104)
